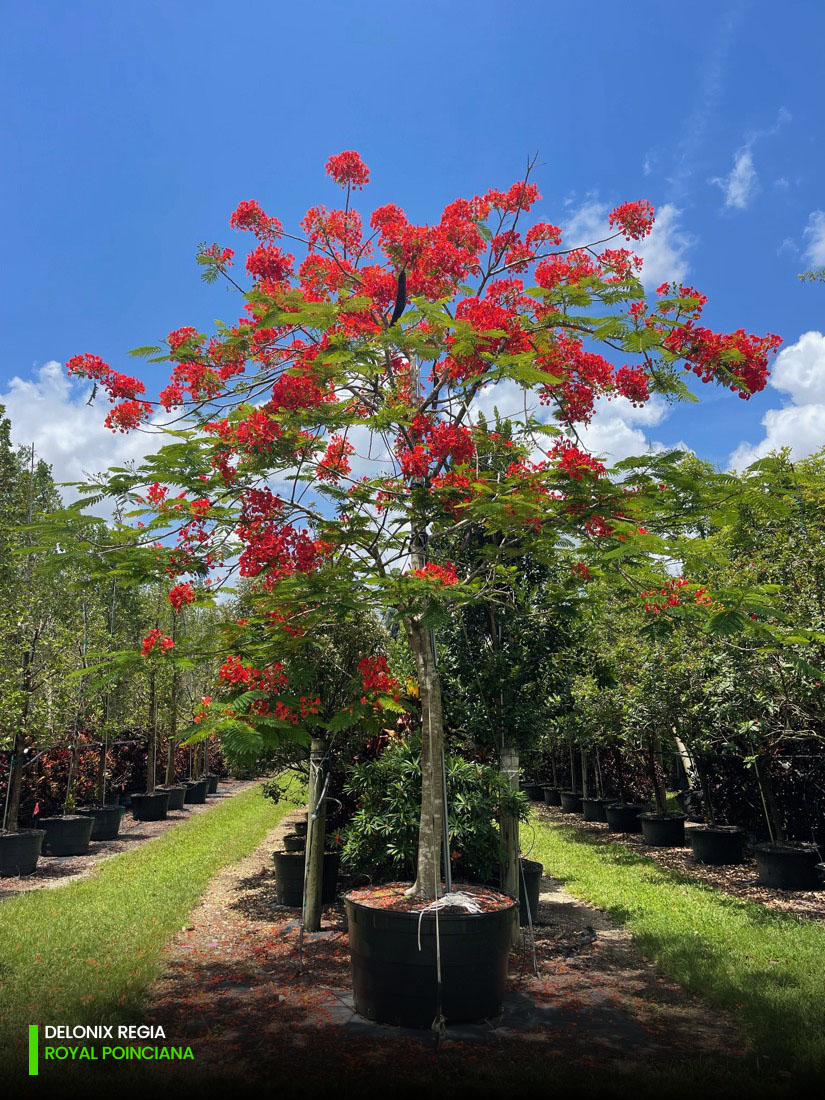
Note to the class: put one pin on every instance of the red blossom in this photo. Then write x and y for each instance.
(156, 639)
(443, 574)
(634, 219)
(347, 169)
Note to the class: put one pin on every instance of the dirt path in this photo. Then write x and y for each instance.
(55, 871)
(233, 989)
(740, 880)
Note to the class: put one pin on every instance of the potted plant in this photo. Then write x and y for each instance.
(346, 354)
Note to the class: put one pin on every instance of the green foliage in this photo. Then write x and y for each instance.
(382, 839)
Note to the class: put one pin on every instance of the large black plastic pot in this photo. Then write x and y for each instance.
(395, 983)
(66, 836)
(211, 783)
(301, 826)
(552, 796)
(571, 802)
(289, 878)
(150, 807)
(623, 817)
(787, 868)
(196, 791)
(105, 820)
(593, 809)
(294, 843)
(717, 844)
(177, 794)
(19, 852)
(663, 830)
(529, 888)
(534, 791)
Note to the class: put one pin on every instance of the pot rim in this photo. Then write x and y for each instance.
(725, 830)
(414, 915)
(20, 832)
(790, 849)
(656, 815)
(63, 817)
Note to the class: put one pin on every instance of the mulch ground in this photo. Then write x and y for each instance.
(54, 871)
(255, 1005)
(739, 880)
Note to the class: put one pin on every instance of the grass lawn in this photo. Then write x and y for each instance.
(766, 968)
(86, 953)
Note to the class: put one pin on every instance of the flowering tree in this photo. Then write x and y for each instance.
(324, 439)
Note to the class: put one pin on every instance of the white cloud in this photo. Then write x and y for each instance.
(815, 234)
(664, 252)
(50, 411)
(742, 183)
(799, 371)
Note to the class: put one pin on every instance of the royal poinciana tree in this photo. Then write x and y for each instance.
(327, 437)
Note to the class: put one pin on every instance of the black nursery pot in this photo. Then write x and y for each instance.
(177, 794)
(150, 807)
(294, 843)
(571, 802)
(787, 868)
(663, 830)
(534, 791)
(301, 826)
(529, 888)
(717, 844)
(66, 836)
(552, 796)
(105, 820)
(623, 817)
(289, 878)
(396, 983)
(19, 852)
(593, 809)
(196, 791)
(211, 783)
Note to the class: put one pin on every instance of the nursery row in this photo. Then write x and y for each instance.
(71, 834)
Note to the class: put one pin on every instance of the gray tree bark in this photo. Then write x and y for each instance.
(316, 835)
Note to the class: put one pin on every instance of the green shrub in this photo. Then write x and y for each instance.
(381, 840)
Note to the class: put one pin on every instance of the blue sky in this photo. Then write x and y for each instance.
(131, 131)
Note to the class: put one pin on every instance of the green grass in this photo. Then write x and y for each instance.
(87, 952)
(767, 969)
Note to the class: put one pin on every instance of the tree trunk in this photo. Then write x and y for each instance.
(169, 777)
(151, 747)
(653, 772)
(572, 766)
(691, 770)
(428, 869)
(585, 788)
(316, 835)
(555, 769)
(509, 829)
(618, 763)
(707, 795)
(776, 826)
(599, 781)
(14, 789)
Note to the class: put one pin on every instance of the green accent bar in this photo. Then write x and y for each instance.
(33, 1050)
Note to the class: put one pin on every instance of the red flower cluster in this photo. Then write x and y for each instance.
(655, 601)
(575, 463)
(348, 170)
(716, 356)
(180, 595)
(376, 677)
(443, 574)
(156, 639)
(580, 570)
(634, 219)
(131, 412)
(335, 462)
